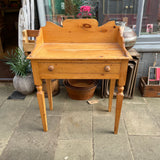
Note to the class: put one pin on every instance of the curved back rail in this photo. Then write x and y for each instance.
(82, 31)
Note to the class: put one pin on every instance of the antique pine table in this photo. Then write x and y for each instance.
(79, 50)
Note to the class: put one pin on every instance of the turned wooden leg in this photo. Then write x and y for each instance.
(42, 107)
(49, 92)
(111, 92)
(118, 108)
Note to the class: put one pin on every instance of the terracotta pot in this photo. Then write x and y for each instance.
(24, 85)
(82, 83)
(80, 93)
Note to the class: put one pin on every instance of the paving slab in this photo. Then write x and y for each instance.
(10, 115)
(6, 90)
(58, 107)
(137, 98)
(58, 104)
(76, 121)
(104, 124)
(31, 121)
(101, 108)
(78, 130)
(139, 120)
(145, 147)
(154, 101)
(30, 142)
(153, 106)
(74, 150)
(76, 106)
(107, 145)
(76, 125)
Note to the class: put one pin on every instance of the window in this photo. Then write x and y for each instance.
(58, 10)
(120, 10)
(141, 15)
(151, 17)
(145, 14)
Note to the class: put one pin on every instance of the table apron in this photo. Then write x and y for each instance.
(78, 76)
(78, 70)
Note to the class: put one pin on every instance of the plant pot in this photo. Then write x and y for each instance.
(24, 85)
(129, 35)
(81, 83)
(80, 93)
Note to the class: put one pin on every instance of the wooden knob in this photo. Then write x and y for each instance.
(107, 68)
(87, 25)
(51, 68)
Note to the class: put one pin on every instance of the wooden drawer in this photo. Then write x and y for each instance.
(76, 68)
(94, 71)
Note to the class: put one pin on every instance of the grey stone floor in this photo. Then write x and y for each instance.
(77, 130)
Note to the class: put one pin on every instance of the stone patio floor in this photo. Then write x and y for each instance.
(77, 130)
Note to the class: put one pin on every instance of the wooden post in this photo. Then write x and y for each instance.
(118, 108)
(42, 107)
(49, 92)
(111, 92)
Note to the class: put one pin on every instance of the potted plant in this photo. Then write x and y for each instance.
(21, 67)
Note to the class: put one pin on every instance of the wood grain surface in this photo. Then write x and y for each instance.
(80, 50)
(80, 37)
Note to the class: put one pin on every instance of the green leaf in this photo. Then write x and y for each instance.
(18, 63)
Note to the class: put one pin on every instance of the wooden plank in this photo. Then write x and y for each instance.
(28, 47)
(120, 41)
(33, 33)
(25, 36)
(80, 30)
(82, 46)
(134, 53)
(127, 87)
(78, 51)
(79, 76)
(134, 78)
(148, 90)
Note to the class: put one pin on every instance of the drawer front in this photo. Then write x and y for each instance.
(100, 69)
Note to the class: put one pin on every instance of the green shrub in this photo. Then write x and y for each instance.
(18, 63)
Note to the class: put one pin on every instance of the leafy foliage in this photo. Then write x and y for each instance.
(72, 7)
(19, 65)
